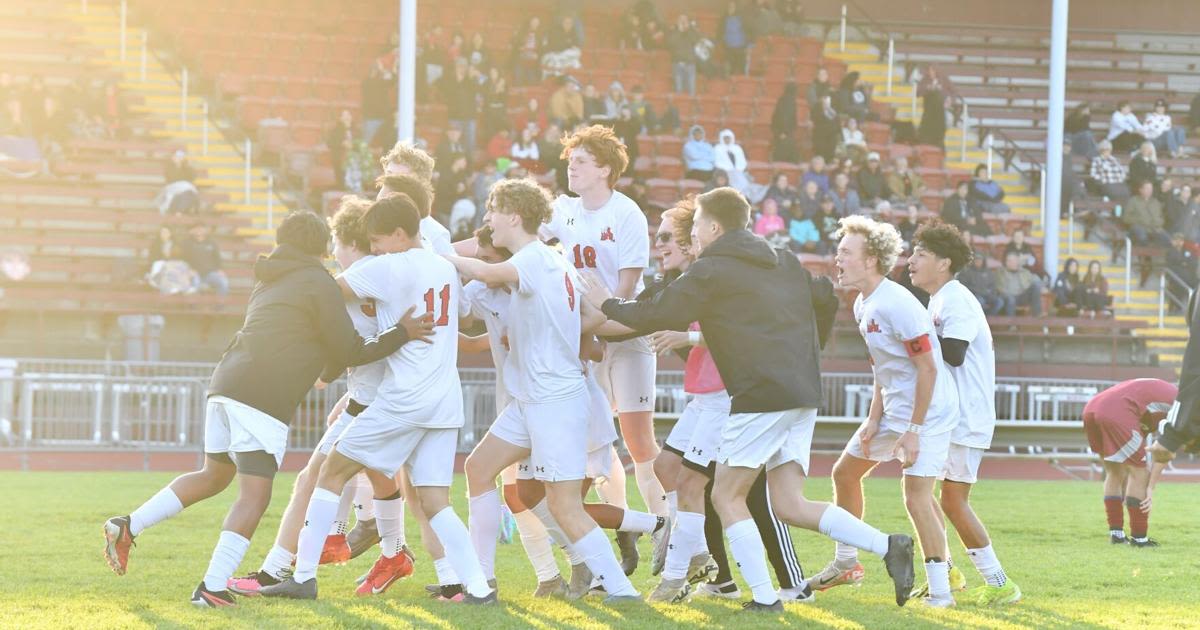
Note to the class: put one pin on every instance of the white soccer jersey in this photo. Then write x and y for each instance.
(422, 385)
(435, 236)
(893, 322)
(956, 314)
(543, 328)
(490, 306)
(608, 239)
(363, 380)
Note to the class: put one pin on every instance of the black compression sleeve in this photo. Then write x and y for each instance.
(954, 351)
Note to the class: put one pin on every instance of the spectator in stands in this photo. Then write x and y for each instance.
(551, 151)
(450, 187)
(698, 155)
(1018, 286)
(719, 179)
(1166, 138)
(113, 111)
(360, 168)
(827, 224)
(642, 109)
(819, 88)
(614, 100)
(932, 130)
(1078, 130)
(669, 122)
(340, 140)
(204, 256)
(525, 151)
(166, 272)
(593, 105)
(86, 126)
(854, 143)
(872, 183)
(495, 104)
(1125, 132)
(178, 169)
(527, 53)
(1068, 289)
(1183, 212)
(850, 100)
(561, 52)
(808, 202)
(566, 104)
(51, 124)
(817, 172)
(681, 43)
(1017, 245)
(532, 115)
(628, 127)
(631, 31)
(728, 155)
(1194, 112)
(769, 223)
(1108, 174)
(1072, 184)
(909, 224)
(802, 232)
(378, 102)
(481, 185)
(1095, 291)
(1144, 167)
(958, 211)
(782, 191)
(451, 148)
(825, 128)
(653, 36)
(904, 183)
(14, 122)
(1143, 217)
(459, 92)
(986, 193)
(733, 39)
(477, 54)
(783, 126)
(500, 145)
(163, 246)
(791, 17)
(981, 281)
(845, 199)
(1181, 260)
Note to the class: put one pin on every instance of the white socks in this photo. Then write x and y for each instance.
(364, 498)
(542, 511)
(938, 574)
(226, 557)
(612, 491)
(597, 552)
(850, 532)
(686, 540)
(389, 519)
(445, 572)
(673, 503)
(484, 519)
(277, 560)
(642, 522)
(157, 509)
(341, 522)
(652, 491)
(321, 510)
(751, 558)
(988, 564)
(536, 541)
(457, 542)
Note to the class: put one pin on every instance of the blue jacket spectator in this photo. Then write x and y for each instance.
(698, 155)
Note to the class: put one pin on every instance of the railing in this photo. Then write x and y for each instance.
(1168, 280)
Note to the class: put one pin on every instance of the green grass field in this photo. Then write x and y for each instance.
(1050, 536)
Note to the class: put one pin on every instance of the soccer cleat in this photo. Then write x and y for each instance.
(204, 598)
(799, 595)
(555, 587)
(412, 560)
(670, 591)
(447, 592)
(756, 607)
(832, 576)
(336, 551)
(988, 595)
(384, 573)
(487, 600)
(660, 539)
(1117, 539)
(117, 541)
(581, 581)
(899, 563)
(1142, 542)
(291, 589)
(939, 602)
(250, 585)
(700, 568)
(958, 582)
(364, 536)
(627, 545)
(727, 590)
(508, 525)
(618, 600)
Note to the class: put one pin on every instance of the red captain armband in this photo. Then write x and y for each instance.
(920, 345)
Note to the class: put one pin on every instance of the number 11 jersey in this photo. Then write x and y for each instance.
(421, 386)
(608, 239)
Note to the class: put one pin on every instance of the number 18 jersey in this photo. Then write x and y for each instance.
(608, 239)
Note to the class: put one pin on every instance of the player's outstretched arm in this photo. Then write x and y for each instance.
(473, 345)
(674, 308)
(475, 269)
(345, 348)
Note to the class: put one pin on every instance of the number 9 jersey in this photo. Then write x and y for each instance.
(613, 237)
(421, 386)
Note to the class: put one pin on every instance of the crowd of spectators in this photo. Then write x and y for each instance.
(51, 117)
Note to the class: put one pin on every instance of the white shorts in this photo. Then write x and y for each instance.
(771, 439)
(706, 414)
(555, 433)
(234, 427)
(962, 464)
(599, 462)
(602, 432)
(628, 373)
(385, 444)
(334, 432)
(930, 460)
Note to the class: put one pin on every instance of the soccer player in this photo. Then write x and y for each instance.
(914, 407)
(434, 236)
(296, 326)
(940, 251)
(604, 231)
(1117, 421)
(764, 318)
(414, 420)
(547, 418)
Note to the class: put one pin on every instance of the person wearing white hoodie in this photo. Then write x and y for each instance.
(729, 156)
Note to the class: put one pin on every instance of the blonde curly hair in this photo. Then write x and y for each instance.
(881, 241)
(347, 223)
(523, 197)
(683, 215)
(416, 160)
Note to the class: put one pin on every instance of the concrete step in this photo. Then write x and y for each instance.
(1176, 332)
(1173, 344)
(1170, 322)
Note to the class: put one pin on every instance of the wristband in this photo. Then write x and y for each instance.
(913, 428)
(694, 337)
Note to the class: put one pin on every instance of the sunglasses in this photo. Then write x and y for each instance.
(663, 238)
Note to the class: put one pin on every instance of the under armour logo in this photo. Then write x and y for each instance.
(571, 221)
(541, 469)
(643, 399)
(523, 467)
(495, 314)
(601, 578)
(698, 451)
(670, 546)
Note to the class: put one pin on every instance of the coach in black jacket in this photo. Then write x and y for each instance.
(1181, 428)
(764, 319)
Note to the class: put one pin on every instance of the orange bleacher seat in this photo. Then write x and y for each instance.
(876, 133)
(663, 191)
(929, 156)
(669, 167)
(644, 166)
(669, 145)
(740, 107)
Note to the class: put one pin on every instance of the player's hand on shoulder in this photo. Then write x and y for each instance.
(418, 327)
(594, 289)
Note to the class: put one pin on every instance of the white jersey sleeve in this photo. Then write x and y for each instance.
(437, 235)
(956, 314)
(369, 279)
(633, 239)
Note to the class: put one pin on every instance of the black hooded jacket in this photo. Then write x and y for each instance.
(296, 328)
(764, 319)
(1181, 429)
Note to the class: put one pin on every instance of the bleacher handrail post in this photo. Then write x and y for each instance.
(124, 26)
(204, 129)
(1162, 298)
(1042, 196)
(842, 37)
(249, 148)
(183, 100)
(145, 37)
(962, 142)
(988, 142)
(270, 201)
(913, 103)
(83, 6)
(1128, 266)
(891, 56)
(1071, 228)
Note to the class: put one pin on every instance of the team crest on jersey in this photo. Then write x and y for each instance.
(873, 327)
(937, 321)
(368, 308)
(607, 235)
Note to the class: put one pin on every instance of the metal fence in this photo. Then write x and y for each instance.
(137, 405)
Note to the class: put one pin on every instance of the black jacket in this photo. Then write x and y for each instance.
(764, 319)
(296, 329)
(1181, 428)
